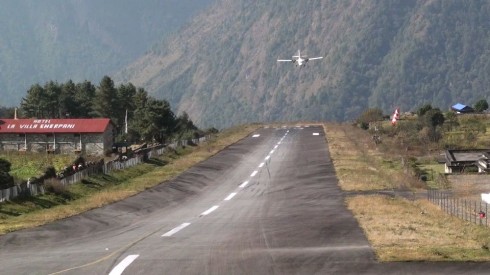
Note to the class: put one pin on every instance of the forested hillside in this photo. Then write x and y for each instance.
(222, 67)
(58, 40)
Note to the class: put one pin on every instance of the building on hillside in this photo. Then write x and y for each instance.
(93, 136)
(461, 108)
(462, 161)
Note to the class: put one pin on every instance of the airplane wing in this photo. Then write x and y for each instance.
(285, 60)
(313, 58)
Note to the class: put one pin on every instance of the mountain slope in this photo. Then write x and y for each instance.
(222, 68)
(79, 40)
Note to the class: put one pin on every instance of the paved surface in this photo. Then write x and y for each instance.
(269, 204)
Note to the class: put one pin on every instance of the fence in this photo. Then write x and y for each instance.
(95, 169)
(21, 191)
(468, 210)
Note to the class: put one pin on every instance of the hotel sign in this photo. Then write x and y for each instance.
(58, 125)
(40, 124)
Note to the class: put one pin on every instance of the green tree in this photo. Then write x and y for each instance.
(51, 102)
(6, 180)
(31, 103)
(68, 106)
(368, 116)
(84, 98)
(156, 121)
(127, 105)
(424, 109)
(106, 101)
(433, 118)
(450, 121)
(481, 105)
(185, 128)
(42, 102)
(140, 98)
(5, 165)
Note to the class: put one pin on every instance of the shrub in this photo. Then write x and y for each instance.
(55, 186)
(6, 180)
(5, 165)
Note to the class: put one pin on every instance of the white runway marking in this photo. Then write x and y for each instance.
(254, 173)
(275, 147)
(243, 184)
(118, 270)
(207, 212)
(230, 196)
(175, 230)
(256, 135)
(316, 134)
(272, 152)
(268, 157)
(261, 165)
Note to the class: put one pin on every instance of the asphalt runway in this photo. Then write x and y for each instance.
(268, 204)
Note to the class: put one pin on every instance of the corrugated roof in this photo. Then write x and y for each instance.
(81, 125)
(459, 106)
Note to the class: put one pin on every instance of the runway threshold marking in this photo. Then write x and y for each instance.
(207, 212)
(230, 196)
(175, 230)
(118, 270)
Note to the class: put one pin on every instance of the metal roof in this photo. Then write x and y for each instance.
(35, 126)
(458, 106)
(461, 107)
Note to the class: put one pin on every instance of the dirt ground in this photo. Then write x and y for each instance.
(470, 186)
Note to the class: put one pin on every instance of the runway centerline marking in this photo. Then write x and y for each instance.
(230, 196)
(268, 157)
(118, 270)
(175, 230)
(261, 165)
(316, 134)
(254, 173)
(243, 184)
(207, 212)
(256, 135)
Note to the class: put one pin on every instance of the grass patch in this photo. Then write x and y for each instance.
(399, 229)
(358, 163)
(29, 164)
(402, 230)
(105, 189)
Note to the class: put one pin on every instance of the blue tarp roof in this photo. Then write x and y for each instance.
(459, 106)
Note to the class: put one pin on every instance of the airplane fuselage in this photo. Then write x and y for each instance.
(299, 60)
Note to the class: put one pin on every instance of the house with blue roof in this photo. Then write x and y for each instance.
(461, 108)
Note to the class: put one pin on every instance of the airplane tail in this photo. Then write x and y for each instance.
(299, 54)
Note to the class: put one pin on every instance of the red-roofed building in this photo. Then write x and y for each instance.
(91, 136)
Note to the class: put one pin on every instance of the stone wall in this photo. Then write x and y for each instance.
(86, 143)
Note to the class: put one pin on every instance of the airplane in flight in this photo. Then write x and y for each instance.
(299, 60)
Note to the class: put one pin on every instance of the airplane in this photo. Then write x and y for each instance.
(299, 60)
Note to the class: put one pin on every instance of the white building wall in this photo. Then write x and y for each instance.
(91, 143)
